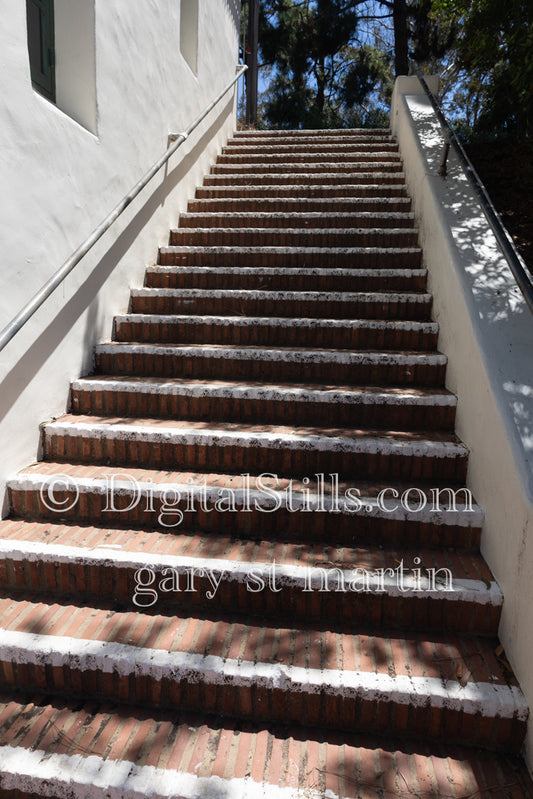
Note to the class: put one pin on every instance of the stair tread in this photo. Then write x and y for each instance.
(346, 176)
(303, 202)
(156, 548)
(285, 321)
(59, 746)
(296, 191)
(401, 231)
(171, 248)
(308, 217)
(413, 669)
(96, 475)
(318, 296)
(332, 392)
(313, 271)
(277, 353)
(260, 435)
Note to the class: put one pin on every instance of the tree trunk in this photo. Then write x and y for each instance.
(321, 87)
(401, 37)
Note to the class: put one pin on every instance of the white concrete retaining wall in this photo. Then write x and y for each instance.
(123, 84)
(486, 330)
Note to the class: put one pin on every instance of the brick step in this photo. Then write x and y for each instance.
(336, 134)
(239, 667)
(252, 506)
(55, 747)
(370, 154)
(311, 304)
(242, 448)
(301, 220)
(298, 365)
(285, 279)
(331, 190)
(310, 146)
(393, 409)
(293, 237)
(343, 587)
(277, 331)
(275, 257)
(247, 164)
(338, 177)
(362, 206)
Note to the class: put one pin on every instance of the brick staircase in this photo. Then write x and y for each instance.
(228, 575)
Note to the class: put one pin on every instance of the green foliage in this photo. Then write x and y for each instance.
(324, 73)
(493, 51)
(320, 78)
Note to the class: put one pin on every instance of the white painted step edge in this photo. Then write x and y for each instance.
(270, 354)
(280, 321)
(314, 201)
(488, 699)
(92, 777)
(299, 172)
(306, 216)
(266, 393)
(267, 499)
(280, 296)
(425, 448)
(350, 231)
(158, 269)
(254, 573)
(220, 249)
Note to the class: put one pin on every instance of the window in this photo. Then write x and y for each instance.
(61, 46)
(189, 32)
(40, 24)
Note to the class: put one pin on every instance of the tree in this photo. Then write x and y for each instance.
(493, 56)
(320, 74)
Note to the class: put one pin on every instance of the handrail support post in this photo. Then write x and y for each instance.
(443, 168)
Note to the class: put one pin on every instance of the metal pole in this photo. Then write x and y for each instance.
(251, 62)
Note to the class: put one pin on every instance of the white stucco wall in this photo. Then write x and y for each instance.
(486, 330)
(60, 178)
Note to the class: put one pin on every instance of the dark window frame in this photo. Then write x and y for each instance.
(40, 30)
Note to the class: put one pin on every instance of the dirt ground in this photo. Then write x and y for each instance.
(506, 169)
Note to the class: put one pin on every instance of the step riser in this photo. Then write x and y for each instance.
(288, 281)
(220, 237)
(334, 189)
(219, 457)
(333, 309)
(387, 180)
(267, 334)
(335, 134)
(370, 416)
(318, 220)
(198, 594)
(248, 165)
(320, 144)
(259, 701)
(289, 205)
(285, 525)
(310, 147)
(369, 155)
(162, 365)
(369, 258)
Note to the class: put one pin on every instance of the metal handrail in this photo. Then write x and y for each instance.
(516, 264)
(177, 139)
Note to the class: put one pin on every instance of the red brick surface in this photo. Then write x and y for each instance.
(322, 215)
